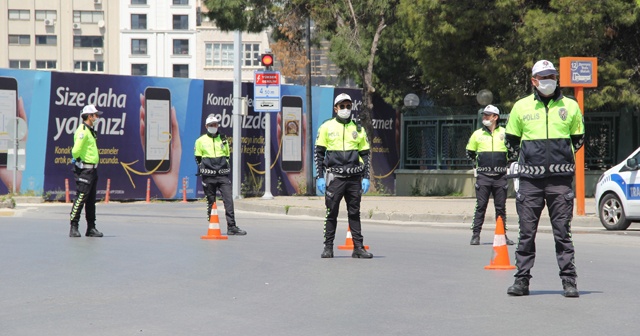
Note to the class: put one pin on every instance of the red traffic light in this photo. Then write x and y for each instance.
(267, 60)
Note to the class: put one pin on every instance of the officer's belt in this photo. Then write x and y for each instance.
(83, 165)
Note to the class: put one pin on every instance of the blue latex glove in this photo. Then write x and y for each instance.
(322, 185)
(365, 185)
(73, 160)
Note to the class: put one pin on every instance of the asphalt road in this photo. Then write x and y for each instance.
(152, 275)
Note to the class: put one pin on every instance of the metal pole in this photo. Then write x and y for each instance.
(267, 158)
(237, 118)
(311, 190)
(579, 92)
(15, 155)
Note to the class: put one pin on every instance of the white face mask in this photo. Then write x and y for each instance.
(547, 86)
(344, 113)
(212, 130)
(486, 122)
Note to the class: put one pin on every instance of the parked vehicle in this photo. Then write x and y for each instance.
(618, 194)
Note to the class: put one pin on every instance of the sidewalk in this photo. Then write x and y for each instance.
(445, 210)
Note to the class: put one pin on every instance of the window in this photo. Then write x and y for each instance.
(138, 2)
(180, 2)
(221, 54)
(138, 21)
(138, 69)
(89, 66)
(18, 14)
(181, 47)
(181, 70)
(139, 46)
(19, 64)
(251, 55)
(88, 42)
(88, 16)
(181, 22)
(46, 40)
(42, 15)
(19, 39)
(46, 64)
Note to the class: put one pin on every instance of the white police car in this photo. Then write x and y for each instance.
(618, 194)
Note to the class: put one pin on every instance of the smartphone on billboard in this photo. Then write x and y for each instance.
(8, 113)
(157, 121)
(291, 130)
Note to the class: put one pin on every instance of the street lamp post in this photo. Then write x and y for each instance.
(411, 101)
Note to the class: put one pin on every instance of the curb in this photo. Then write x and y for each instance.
(462, 219)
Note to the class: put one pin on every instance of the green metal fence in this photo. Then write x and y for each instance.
(436, 137)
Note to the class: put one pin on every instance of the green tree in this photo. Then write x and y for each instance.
(465, 46)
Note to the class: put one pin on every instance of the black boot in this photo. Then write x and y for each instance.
(327, 252)
(360, 252)
(475, 239)
(570, 289)
(235, 231)
(509, 241)
(73, 232)
(520, 287)
(93, 232)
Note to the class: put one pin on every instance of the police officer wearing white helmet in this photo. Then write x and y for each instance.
(342, 149)
(212, 155)
(487, 149)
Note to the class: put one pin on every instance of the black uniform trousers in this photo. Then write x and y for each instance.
(210, 185)
(556, 191)
(86, 181)
(351, 189)
(485, 187)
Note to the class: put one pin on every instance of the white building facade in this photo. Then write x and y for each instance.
(158, 38)
(63, 35)
(216, 54)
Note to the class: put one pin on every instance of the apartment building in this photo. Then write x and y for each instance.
(164, 38)
(64, 35)
(158, 38)
(216, 54)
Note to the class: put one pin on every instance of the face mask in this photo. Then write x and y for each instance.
(486, 122)
(547, 86)
(212, 130)
(344, 113)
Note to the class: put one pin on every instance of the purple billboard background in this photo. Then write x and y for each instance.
(119, 135)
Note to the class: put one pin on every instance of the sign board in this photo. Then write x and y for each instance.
(578, 72)
(266, 91)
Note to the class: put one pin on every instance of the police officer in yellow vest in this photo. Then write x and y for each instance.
(544, 131)
(212, 155)
(342, 149)
(85, 170)
(486, 147)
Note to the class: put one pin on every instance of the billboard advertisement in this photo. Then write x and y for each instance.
(148, 128)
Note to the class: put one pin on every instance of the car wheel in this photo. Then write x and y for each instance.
(612, 214)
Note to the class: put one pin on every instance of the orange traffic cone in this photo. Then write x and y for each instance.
(348, 245)
(500, 258)
(214, 225)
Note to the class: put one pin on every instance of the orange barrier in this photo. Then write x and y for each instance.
(184, 190)
(106, 195)
(500, 258)
(148, 189)
(67, 198)
(214, 226)
(348, 245)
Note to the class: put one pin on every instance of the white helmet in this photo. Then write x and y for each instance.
(211, 119)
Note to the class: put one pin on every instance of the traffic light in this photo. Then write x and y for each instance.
(267, 60)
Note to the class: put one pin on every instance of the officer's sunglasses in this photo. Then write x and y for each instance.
(345, 106)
